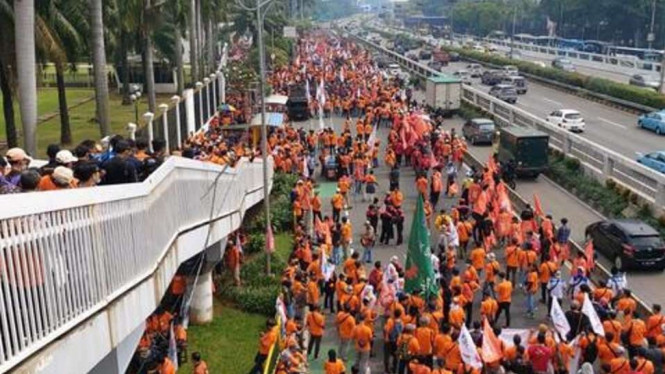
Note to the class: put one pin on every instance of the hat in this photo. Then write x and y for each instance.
(16, 155)
(491, 256)
(394, 259)
(65, 157)
(63, 175)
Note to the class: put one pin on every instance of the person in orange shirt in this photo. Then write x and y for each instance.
(166, 365)
(636, 330)
(346, 325)
(504, 290)
(421, 185)
(531, 290)
(425, 336)
(363, 336)
(620, 364)
(267, 338)
(334, 365)
(315, 323)
(337, 202)
(489, 307)
(233, 261)
(477, 257)
(407, 347)
(456, 316)
(346, 236)
(313, 295)
(607, 348)
(201, 367)
(546, 270)
(654, 322)
(316, 205)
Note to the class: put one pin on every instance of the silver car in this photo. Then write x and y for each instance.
(505, 92)
(476, 70)
(644, 80)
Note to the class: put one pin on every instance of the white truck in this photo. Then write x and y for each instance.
(444, 92)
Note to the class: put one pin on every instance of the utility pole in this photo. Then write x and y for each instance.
(512, 34)
(651, 37)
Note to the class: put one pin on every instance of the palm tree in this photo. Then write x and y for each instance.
(6, 74)
(99, 65)
(24, 36)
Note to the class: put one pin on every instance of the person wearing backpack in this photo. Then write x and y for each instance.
(407, 348)
(391, 332)
(589, 343)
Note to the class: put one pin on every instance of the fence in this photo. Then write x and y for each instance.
(69, 254)
(188, 113)
(598, 161)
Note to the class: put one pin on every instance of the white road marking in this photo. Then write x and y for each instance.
(612, 123)
(551, 101)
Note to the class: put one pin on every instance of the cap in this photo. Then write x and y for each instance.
(394, 259)
(63, 175)
(16, 155)
(65, 157)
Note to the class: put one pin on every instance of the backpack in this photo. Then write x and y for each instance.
(403, 350)
(591, 351)
(293, 195)
(395, 331)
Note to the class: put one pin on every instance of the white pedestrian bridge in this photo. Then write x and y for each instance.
(80, 270)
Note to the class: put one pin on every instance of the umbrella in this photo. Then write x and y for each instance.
(226, 108)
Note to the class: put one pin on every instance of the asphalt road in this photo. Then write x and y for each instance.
(383, 253)
(609, 127)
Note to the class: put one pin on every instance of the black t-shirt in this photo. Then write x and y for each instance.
(119, 171)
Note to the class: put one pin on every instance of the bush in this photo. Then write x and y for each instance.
(661, 220)
(572, 164)
(610, 183)
(253, 299)
(601, 86)
(633, 198)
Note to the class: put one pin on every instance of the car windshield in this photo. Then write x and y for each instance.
(509, 91)
(573, 116)
(646, 241)
(486, 127)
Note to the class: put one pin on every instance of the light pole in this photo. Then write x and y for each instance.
(176, 101)
(264, 130)
(135, 95)
(198, 88)
(512, 34)
(148, 116)
(213, 83)
(165, 123)
(206, 82)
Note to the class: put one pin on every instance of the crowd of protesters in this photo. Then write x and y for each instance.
(487, 256)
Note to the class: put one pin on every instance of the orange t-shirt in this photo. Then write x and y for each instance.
(425, 338)
(315, 323)
(362, 334)
(504, 291)
(336, 367)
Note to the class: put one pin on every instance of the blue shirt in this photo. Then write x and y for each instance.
(563, 234)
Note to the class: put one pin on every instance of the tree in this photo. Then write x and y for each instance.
(99, 66)
(6, 74)
(24, 36)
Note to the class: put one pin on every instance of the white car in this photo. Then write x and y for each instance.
(567, 119)
(476, 70)
(394, 70)
(464, 76)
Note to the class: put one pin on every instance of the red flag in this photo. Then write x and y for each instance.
(491, 164)
(537, 207)
(588, 252)
(270, 241)
(491, 347)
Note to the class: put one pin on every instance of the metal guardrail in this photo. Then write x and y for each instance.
(66, 255)
(598, 161)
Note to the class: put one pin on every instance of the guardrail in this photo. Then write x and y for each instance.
(66, 255)
(597, 160)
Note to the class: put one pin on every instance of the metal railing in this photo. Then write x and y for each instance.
(66, 255)
(598, 161)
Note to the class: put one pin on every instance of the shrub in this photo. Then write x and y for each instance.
(625, 194)
(633, 198)
(610, 183)
(661, 220)
(573, 164)
(253, 299)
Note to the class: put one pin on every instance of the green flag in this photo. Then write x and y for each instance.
(419, 273)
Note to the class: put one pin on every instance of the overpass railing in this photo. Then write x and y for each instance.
(66, 255)
(598, 161)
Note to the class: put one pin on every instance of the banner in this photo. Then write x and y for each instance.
(596, 325)
(491, 347)
(559, 318)
(418, 271)
(470, 355)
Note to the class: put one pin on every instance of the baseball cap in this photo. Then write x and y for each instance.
(16, 155)
(65, 157)
(63, 175)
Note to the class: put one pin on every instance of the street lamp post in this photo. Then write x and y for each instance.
(135, 95)
(206, 81)
(198, 88)
(651, 37)
(264, 130)
(213, 83)
(176, 101)
(165, 123)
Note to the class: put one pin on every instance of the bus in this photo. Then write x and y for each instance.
(650, 55)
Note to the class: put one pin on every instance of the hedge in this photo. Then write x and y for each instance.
(259, 290)
(611, 199)
(637, 95)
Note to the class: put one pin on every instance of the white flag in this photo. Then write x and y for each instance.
(468, 349)
(573, 363)
(587, 308)
(322, 93)
(173, 348)
(559, 318)
(305, 169)
(341, 74)
(307, 92)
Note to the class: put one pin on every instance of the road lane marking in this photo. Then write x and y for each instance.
(552, 101)
(612, 123)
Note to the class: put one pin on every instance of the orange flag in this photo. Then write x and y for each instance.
(537, 207)
(491, 347)
(588, 252)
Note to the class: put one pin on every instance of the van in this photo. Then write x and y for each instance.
(516, 81)
(504, 92)
(479, 130)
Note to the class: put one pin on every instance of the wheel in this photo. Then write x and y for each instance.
(659, 131)
(474, 141)
(512, 184)
(618, 262)
(640, 124)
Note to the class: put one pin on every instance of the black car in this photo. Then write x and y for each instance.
(629, 243)
(454, 56)
(492, 77)
(425, 54)
(435, 65)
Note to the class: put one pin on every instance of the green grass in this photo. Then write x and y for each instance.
(229, 343)
(81, 118)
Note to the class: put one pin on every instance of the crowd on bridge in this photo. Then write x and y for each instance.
(486, 256)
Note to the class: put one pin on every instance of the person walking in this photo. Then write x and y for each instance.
(504, 290)
(315, 323)
(367, 240)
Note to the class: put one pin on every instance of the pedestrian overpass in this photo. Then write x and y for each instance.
(80, 270)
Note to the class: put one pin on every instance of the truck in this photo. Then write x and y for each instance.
(439, 55)
(526, 148)
(297, 104)
(443, 93)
